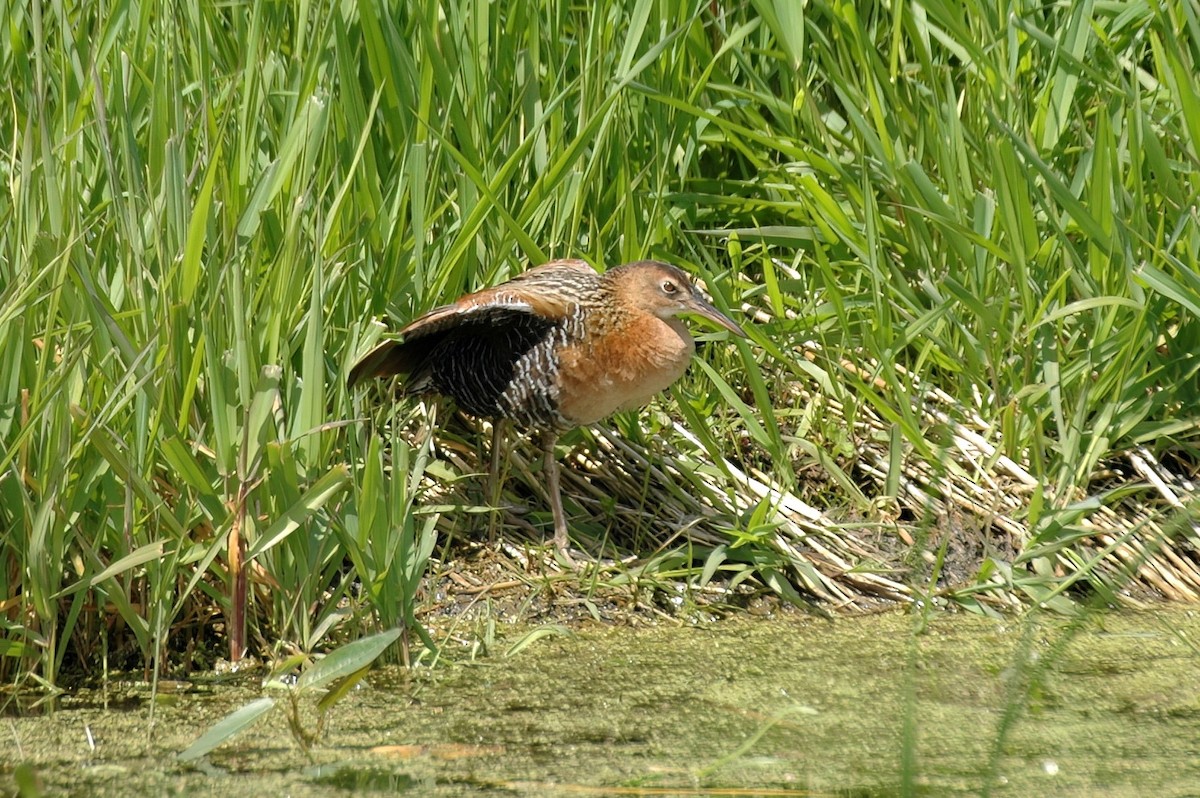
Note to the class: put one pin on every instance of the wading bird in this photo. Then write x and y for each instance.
(557, 347)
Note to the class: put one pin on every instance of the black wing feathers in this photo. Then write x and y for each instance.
(473, 360)
(476, 361)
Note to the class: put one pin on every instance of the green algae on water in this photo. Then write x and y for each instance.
(860, 706)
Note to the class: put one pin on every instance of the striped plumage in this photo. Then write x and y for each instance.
(556, 347)
(495, 351)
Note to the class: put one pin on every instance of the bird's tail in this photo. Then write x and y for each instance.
(390, 357)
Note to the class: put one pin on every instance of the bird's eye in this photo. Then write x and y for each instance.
(669, 287)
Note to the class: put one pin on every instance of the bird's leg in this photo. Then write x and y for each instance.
(555, 492)
(494, 482)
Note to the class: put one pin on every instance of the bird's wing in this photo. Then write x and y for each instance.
(549, 292)
(566, 268)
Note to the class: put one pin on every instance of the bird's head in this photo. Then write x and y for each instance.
(667, 292)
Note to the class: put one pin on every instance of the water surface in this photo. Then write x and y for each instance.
(857, 706)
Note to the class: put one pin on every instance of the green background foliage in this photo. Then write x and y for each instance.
(207, 207)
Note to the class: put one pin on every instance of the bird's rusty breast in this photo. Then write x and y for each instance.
(632, 346)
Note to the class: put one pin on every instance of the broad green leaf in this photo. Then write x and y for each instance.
(143, 554)
(227, 728)
(197, 231)
(346, 660)
(313, 500)
(534, 635)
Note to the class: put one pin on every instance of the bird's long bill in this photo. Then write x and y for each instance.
(702, 307)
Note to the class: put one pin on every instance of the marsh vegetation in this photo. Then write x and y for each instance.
(963, 238)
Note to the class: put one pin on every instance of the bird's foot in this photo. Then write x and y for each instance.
(571, 559)
(562, 548)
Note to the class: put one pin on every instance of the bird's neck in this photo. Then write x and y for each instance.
(641, 341)
(621, 363)
(611, 313)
